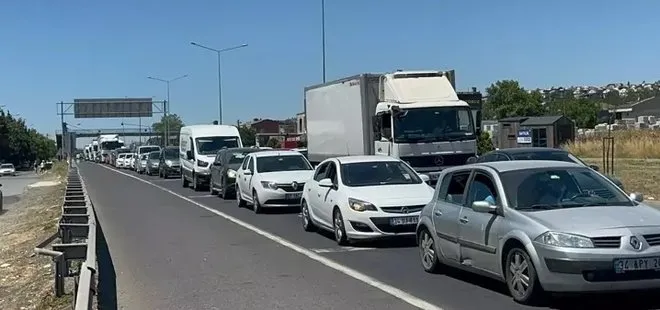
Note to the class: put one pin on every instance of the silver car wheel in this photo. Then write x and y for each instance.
(519, 279)
(427, 251)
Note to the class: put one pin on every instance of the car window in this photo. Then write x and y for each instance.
(321, 172)
(251, 164)
(482, 188)
(550, 188)
(283, 163)
(501, 157)
(331, 173)
(487, 158)
(456, 187)
(245, 163)
(378, 173)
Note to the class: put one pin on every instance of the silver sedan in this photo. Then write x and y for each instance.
(541, 226)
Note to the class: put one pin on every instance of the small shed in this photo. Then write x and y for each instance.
(538, 131)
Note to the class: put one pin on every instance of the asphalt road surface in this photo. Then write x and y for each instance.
(169, 247)
(13, 186)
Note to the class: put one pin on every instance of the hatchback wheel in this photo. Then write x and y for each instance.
(521, 277)
(212, 188)
(307, 223)
(239, 199)
(256, 205)
(427, 251)
(338, 227)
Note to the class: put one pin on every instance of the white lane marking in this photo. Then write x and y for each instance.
(201, 196)
(342, 249)
(163, 180)
(398, 293)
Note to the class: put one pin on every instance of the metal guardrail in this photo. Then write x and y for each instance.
(77, 243)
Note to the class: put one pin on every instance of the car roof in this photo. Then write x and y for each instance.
(514, 150)
(364, 158)
(239, 149)
(513, 165)
(263, 153)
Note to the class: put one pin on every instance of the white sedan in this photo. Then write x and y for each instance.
(364, 197)
(7, 169)
(269, 179)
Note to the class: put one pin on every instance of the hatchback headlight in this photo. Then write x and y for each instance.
(564, 240)
(231, 173)
(360, 205)
(269, 184)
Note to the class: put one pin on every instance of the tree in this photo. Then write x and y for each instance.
(484, 143)
(583, 111)
(507, 98)
(175, 124)
(274, 143)
(248, 135)
(22, 145)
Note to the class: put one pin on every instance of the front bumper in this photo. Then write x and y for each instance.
(375, 225)
(172, 170)
(592, 270)
(7, 173)
(279, 198)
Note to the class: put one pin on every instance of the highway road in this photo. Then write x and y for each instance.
(169, 247)
(13, 186)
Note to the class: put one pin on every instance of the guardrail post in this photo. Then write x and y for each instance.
(60, 273)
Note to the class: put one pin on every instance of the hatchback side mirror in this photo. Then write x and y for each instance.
(638, 197)
(424, 177)
(595, 167)
(471, 160)
(483, 207)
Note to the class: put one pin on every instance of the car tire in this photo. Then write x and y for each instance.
(195, 182)
(239, 200)
(184, 182)
(307, 223)
(256, 205)
(212, 188)
(427, 251)
(518, 265)
(338, 228)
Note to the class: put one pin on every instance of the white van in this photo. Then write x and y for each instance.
(198, 145)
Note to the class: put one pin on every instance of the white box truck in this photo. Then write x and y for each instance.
(416, 116)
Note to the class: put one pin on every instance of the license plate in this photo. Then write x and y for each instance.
(636, 264)
(293, 196)
(408, 220)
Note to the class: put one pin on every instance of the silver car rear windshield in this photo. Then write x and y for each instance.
(552, 188)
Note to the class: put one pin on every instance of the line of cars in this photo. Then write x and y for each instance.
(537, 222)
(538, 225)
(151, 160)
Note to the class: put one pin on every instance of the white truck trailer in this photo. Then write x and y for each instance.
(108, 143)
(416, 116)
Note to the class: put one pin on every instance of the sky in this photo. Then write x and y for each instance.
(53, 51)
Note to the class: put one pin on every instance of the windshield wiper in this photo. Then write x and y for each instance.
(541, 207)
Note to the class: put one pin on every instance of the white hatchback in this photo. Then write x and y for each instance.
(364, 197)
(269, 179)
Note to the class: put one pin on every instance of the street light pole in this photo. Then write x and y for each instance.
(166, 107)
(219, 52)
(323, 37)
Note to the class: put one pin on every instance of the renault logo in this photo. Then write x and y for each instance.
(636, 243)
(294, 185)
(405, 210)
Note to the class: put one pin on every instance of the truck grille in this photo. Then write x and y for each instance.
(607, 242)
(430, 160)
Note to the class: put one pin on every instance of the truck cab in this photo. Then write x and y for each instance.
(421, 120)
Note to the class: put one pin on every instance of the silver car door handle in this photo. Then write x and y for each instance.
(437, 213)
(464, 220)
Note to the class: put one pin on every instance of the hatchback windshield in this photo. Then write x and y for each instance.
(211, 145)
(148, 149)
(378, 173)
(7, 166)
(171, 153)
(237, 158)
(551, 188)
(154, 155)
(129, 155)
(554, 156)
(282, 163)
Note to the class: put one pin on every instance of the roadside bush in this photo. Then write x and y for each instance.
(634, 143)
(20, 144)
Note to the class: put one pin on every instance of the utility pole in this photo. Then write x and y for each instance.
(323, 36)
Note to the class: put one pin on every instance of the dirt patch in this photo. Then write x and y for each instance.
(637, 175)
(26, 279)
